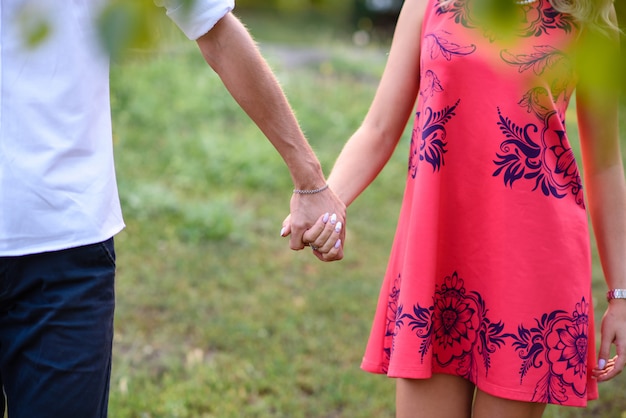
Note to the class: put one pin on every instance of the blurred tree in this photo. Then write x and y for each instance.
(127, 24)
(130, 24)
(376, 17)
(124, 24)
(292, 5)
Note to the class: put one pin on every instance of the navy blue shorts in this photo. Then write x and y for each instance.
(56, 332)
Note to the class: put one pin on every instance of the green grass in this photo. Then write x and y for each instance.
(216, 316)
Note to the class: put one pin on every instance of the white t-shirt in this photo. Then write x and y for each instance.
(57, 179)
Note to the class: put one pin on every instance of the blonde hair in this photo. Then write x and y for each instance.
(595, 13)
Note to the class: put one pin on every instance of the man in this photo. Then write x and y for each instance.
(59, 206)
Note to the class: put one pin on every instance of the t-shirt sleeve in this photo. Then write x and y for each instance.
(196, 17)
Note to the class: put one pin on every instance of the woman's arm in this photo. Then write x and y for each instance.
(597, 108)
(371, 146)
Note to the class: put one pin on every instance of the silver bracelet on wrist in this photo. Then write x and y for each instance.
(616, 294)
(321, 189)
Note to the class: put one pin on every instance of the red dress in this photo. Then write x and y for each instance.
(489, 276)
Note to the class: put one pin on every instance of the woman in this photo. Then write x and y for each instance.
(486, 306)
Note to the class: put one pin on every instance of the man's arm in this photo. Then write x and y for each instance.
(230, 50)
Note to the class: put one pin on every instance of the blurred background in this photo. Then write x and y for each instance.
(216, 317)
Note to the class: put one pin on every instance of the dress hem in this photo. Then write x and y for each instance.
(489, 388)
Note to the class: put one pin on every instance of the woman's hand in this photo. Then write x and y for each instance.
(324, 237)
(613, 331)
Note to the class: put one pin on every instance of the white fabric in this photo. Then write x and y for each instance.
(57, 179)
(196, 17)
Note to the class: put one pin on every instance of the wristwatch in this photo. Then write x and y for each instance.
(616, 294)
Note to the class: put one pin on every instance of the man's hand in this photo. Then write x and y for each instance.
(317, 220)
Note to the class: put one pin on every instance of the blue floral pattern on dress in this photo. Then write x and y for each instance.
(456, 325)
(459, 10)
(555, 65)
(539, 153)
(545, 56)
(458, 330)
(440, 45)
(537, 21)
(429, 85)
(542, 21)
(560, 340)
(392, 314)
(428, 141)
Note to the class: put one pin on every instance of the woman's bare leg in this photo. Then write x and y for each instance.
(441, 396)
(488, 406)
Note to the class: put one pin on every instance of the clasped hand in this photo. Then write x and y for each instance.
(325, 233)
(325, 237)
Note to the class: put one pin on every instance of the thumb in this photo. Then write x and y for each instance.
(286, 229)
(605, 349)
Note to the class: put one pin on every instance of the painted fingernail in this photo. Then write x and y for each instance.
(282, 231)
(601, 364)
(338, 227)
(338, 243)
(325, 218)
(333, 219)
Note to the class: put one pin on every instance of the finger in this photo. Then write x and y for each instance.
(610, 371)
(333, 242)
(599, 373)
(618, 362)
(311, 234)
(320, 255)
(335, 253)
(605, 350)
(607, 372)
(286, 229)
(318, 237)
